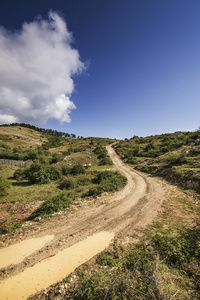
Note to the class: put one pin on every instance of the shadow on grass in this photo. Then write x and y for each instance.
(22, 183)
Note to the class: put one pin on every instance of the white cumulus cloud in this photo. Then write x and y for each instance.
(36, 68)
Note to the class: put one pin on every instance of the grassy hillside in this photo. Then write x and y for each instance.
(17, 136)
(38, 169)
(164, 264)
(176, 156)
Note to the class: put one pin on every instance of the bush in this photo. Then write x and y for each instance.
(83, 181)
(17, 153)
(4, 186)
(55, 173)
(53, 142)
(175, 158)
(40, 173)
(43, 159)
(67, 184)
(101, 176)
(106, 181)
(106, 161)
(131, 160)
(20, 174)
(99, 150)
(65, 170)
(102, 155)
(56, 157)
(52, 204)
(107, 258)
(77, 169)
(94, 191)
(181, 249)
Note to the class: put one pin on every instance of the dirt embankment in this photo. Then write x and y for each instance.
(122, 213)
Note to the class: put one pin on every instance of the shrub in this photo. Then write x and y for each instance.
(53, 142)
(38, 173)
(106, 258)
(175, 158)
(83, 181)
(181, 249)
(131, 160)
(5, 146)
(77, 169)
(43, 159)
(65, 170)
(106, 181)
(4, 186)
(17, 153)
(31, 154)
(106, 161)
(20, 174)
(15, 225)
(55, 173)
(41, 173)
(56, 157)
(101, 176)
(99, 150)
(94, 191)
(52, 204)
(67, 184)
(102, 155)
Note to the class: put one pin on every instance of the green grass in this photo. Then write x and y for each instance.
(25, 193)
(102, 168)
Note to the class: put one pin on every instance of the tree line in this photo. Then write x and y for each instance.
(43, 130)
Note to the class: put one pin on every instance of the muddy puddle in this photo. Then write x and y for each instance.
(16, 253)
(53, 269)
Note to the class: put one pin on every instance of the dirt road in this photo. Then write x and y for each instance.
(121, 214)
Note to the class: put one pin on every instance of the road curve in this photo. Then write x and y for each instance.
(122, 213)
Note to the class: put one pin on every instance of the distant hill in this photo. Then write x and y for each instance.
(17, 136)
(28, 142)
(43, 130)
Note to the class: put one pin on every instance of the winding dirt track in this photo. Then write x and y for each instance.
(122, 213)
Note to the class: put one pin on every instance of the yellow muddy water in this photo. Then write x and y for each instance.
(16, 253)
(53, 269)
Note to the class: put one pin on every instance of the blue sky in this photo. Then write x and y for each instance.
(138, 70)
